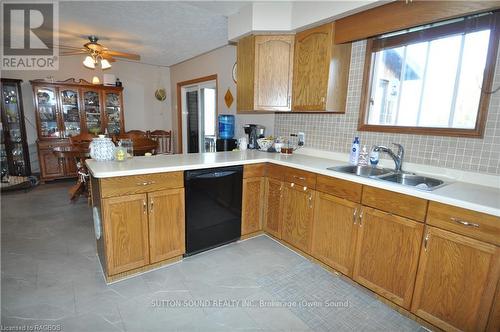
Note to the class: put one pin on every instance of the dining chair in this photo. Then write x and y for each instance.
(164, 139)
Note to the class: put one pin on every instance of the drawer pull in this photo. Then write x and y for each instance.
(299, 177)
(464, 222)
(145, 183)
(292, 184)
(305, 188)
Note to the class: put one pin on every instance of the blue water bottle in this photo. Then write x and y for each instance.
(226, 126)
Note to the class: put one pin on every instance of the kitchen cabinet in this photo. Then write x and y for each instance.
(126, 232)
(335, 232)
(273, 205)
(50, 166)
(265, 70)
(456, 281)
(166, 224)
(387, 252)
(252, 205)
(320, 71)
(297, 216)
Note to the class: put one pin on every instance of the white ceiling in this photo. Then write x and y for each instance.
(162, 32)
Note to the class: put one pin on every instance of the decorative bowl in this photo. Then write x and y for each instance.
(265, 144)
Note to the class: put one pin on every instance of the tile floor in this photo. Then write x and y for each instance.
(50, 278)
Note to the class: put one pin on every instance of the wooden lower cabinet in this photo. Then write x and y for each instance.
(272, 207)
(335, 232)
(387, 253)
(166, 224)
(126, 232)
(50, 166)
(297, 217)
(456, 281)
(252, 205)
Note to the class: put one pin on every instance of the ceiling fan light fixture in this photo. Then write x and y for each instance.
(105, 64)
(89, 62)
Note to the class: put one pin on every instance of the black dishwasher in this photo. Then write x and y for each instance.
(213, 207)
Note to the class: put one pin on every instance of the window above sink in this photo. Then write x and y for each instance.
(435, 79)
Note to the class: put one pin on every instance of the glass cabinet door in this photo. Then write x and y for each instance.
(47, 112)
(70, 110)
(113, 112)
(13, 148)
(92, 110)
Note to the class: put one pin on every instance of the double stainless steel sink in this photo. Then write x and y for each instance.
(387, 174)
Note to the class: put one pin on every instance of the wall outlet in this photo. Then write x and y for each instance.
(301, 138)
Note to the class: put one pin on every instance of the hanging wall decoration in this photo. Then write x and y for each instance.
(228, 98)
(160, 94)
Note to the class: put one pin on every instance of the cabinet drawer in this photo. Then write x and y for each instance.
(340, 188)
(474, 224)
(254, 170)
(396, 203)
(136, 184)
(275, 171)
(301, 178)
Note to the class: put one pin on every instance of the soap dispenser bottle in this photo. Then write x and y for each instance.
(363, 157)
(353, 159)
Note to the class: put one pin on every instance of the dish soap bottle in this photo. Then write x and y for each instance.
(374, 157)
(353, 159)
(363, 157)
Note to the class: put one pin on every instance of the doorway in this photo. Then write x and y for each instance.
(197, 114)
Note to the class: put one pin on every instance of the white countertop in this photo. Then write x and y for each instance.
(465, 195)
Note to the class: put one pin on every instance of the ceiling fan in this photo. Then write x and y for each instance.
(97, 53)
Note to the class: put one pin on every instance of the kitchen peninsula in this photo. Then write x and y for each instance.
(388, 237)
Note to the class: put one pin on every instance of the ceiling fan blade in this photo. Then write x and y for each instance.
(74, 53)
(108, 57)
(66, 47)
(122, 55)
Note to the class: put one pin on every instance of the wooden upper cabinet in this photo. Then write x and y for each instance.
(166, 224)
(272, 207)
(335, 231)
(456, 281)
(320, 71)
(297, 217)
(126, 232)
(387, 252)
(252, 205)
(265, 69)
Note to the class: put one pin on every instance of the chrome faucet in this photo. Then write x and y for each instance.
(398, 158)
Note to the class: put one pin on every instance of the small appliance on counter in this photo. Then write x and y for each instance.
(225, 141)
(254, 132)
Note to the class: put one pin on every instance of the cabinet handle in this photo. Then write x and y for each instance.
(310, 200)
(151, 206)
(354, 216)
(299, 177)
(145, 183)
(464, 222)
(292, 184)
(305, 188)
(426, 240)
(144, 207)
(361, 218)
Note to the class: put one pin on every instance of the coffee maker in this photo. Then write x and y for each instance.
(254, 132)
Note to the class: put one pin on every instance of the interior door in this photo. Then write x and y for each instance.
(199, 118)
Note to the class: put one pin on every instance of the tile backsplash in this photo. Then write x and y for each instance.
(335, 132)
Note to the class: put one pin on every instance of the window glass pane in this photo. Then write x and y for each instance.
(440, 82)
(471, 79)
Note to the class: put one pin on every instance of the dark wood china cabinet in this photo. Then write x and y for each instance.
(67, 108)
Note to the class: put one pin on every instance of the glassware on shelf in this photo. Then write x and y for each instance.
(47, 113)
(92, 111)
(70, 112)
(113, 110)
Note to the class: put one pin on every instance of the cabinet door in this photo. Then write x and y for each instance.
(126, 232)
(387, 253)
(166, 224)
(92, 110)
(50, 165)
(113, 112)
(311, 68)
(272, 207)
(47, 113)
(335, 231)
(273, 72)
(70, 168)
(456, 281)
(298, 205)
(70, 111)
(252, 205)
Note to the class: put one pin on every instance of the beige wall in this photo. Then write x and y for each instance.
(142, 110)
(219, 61)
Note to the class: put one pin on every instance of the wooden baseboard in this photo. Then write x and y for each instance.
(140, 270)
(251, 235)
(394, 306)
